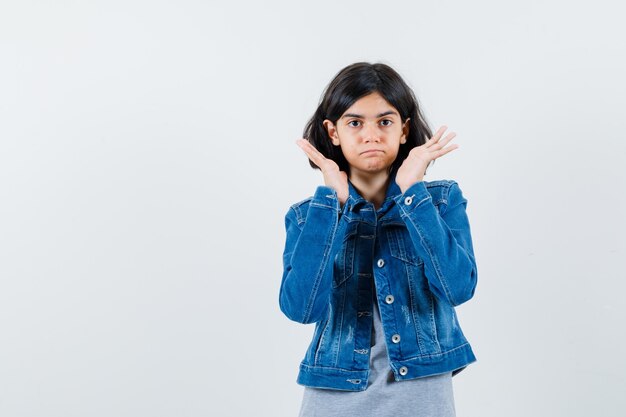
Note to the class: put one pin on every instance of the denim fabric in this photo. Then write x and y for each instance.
(417, 247)
(430, 396)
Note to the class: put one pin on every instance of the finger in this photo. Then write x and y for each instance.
(443, 142)
(444, 151)
(306, 148)
(436, 136)
(311, 152)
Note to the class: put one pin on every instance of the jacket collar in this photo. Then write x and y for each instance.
(393, 190)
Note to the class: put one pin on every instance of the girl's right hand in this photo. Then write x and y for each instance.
(333, 177)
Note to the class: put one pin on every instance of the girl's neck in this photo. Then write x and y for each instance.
(371, 186)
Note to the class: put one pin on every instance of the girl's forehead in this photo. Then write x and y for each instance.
(372, 105)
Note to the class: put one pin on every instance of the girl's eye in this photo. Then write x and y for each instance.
(385, 122)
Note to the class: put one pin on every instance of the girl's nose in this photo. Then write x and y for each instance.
(371, 133)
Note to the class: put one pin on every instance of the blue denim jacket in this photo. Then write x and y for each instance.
(415, 251)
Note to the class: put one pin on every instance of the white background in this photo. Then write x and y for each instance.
(148, 157)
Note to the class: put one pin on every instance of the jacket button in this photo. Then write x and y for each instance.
(404, 370)
(408, 200)
(395, 338)
(380, 263)
(389, 299)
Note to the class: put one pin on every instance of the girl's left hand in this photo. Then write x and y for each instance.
(412, 169)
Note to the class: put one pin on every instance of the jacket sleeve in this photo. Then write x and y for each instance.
(443, 241)
(313, 239)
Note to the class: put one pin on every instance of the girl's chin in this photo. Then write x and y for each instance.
(374, 168)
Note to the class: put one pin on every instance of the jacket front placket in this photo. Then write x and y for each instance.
(363, 212)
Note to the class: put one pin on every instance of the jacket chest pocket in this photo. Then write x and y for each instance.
(344, 260)
(400, 243)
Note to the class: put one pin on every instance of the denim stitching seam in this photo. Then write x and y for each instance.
(433, 259)
(320, 272)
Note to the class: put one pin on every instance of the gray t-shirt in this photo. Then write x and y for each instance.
(430, 396)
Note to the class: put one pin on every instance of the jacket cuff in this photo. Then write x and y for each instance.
(414, 196)
(326, 197)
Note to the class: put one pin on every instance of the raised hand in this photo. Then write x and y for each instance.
(413, 168)
(333, 177)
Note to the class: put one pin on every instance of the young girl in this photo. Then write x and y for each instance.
(378, 258)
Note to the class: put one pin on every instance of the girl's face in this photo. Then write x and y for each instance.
(370, 133)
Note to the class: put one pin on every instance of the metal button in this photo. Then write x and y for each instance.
(408, 200)
(380, 263)
(389, 299)
(404, 370)
(395, 338)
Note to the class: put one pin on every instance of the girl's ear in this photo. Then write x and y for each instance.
(332, 131)
(405, 131)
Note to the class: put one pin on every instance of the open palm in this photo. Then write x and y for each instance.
(414, 166)
(333, 176)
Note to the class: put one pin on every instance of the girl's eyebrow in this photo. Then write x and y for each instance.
(378, 115)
